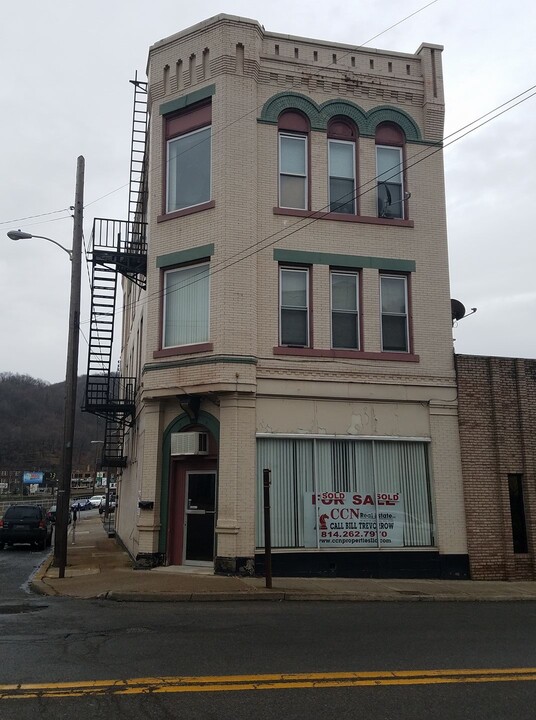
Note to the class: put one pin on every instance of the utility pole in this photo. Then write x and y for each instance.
(71, 378)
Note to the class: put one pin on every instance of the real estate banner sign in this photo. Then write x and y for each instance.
(349, 519)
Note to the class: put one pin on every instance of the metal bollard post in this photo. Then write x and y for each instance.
(267, 529)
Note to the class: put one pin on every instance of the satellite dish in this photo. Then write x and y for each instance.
(457, 309)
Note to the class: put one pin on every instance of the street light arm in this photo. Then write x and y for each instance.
(20, 235)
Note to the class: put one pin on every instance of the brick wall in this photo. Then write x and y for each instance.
(497, 420)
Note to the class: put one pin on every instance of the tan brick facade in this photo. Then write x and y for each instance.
(244, 383)
(497, 416)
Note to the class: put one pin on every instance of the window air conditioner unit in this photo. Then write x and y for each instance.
(189, 443)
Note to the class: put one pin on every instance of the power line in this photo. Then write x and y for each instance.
(31, 217)
(316, 215)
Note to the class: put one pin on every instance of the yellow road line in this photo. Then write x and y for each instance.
(285, 681)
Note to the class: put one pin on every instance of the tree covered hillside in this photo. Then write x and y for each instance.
(31, 425)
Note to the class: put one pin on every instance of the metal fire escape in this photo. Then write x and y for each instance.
(119, 247)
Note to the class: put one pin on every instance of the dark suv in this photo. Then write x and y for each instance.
(25, 524)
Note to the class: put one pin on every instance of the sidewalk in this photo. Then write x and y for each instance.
(97, 567)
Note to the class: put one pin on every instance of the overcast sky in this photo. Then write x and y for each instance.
(66, 92)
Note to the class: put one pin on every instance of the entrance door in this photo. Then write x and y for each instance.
(199, 517)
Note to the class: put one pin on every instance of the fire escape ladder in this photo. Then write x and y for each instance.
(114, 435)
(108, 394)
(102, 314)
(119, 247)
(137, 188)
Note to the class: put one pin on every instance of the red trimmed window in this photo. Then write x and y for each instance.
(188, 157)
(390, 140)
(294, 307)
(293, 161)
(394, 313)
(342, 137)
(344, 310)
(186, 298)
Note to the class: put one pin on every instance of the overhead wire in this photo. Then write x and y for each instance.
(316, 215)
(32, 217)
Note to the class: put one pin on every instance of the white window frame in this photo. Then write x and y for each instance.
(403, 278)
(386, 180)
(353, 199)
(167, 271)
(356, 275)
(304, 139)
(288, 307)
(168, 167)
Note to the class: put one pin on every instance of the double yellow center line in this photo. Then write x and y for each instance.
(226, 683)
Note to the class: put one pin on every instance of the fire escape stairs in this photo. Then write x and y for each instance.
(119, 247)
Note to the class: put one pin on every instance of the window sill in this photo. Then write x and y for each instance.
(344, 217)
(353, 354)
(184, 350)
(186, 211)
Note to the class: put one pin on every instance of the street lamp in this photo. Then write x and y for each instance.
(71, 375)
(20, 235)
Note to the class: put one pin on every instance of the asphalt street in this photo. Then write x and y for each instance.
(261, 660)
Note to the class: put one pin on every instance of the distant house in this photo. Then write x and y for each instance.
(286, 308)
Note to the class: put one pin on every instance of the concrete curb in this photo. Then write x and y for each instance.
(276, 596)
(37, 582)
(191, 597)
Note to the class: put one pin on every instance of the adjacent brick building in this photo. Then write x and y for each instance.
(497, 418)
(296, 315)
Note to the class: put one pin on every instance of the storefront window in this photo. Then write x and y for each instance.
(346, 493)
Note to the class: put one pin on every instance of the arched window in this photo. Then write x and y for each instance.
(293, 160)
(390, 140)
(342, 137)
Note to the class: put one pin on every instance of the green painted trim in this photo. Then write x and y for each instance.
(332, 108)
(386, 113)
(353, 261)
(273, 108)
(320, 115)
(187, 362)
(182, 421)
(428, 143)
(189, 99)
(184, 256)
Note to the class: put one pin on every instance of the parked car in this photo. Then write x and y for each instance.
(82, 504)
(96, 500)
(51, 514)
(25, 524)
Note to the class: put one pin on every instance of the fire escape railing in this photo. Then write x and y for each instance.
(119, 247)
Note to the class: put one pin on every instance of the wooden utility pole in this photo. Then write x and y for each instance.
(71, 377)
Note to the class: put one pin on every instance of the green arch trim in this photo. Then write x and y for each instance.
(320, 115)
(332, 108)
(386, 113)
(179, 423)
(277, 104)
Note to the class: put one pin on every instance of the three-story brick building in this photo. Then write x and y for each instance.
(296, 315)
